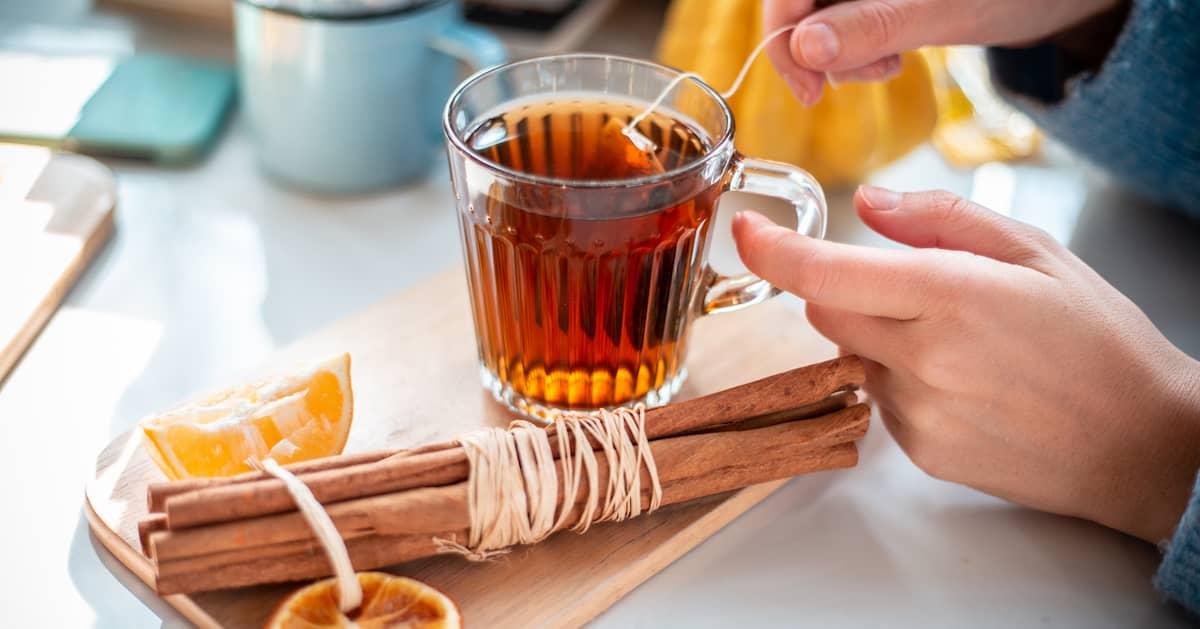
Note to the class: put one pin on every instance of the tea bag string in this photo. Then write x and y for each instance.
(737, 81)
(513, 490)
(350, 594)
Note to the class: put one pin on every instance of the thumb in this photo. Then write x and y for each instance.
(939, 219)
(851, 35)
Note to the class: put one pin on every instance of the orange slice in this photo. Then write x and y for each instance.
(388, 601)
(293, 417)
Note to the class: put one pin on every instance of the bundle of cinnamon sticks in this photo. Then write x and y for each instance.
(389, 506)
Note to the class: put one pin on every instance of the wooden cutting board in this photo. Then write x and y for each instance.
(56, 211)
(415, 381)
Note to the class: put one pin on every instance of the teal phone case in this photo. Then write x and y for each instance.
(162, 108)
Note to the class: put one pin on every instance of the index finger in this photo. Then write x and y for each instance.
(879, 282)
(806, 84)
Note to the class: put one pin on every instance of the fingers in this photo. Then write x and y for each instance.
(943, 220)
(896, 427)
(881, 70)
(804, 83)
(878, 282)
(929, 446)
(852, 35)
(875, 338)
(881, 383)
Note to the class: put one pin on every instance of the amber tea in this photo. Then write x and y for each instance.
(583, 301)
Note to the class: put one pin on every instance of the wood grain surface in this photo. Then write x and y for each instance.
(416, 381)
(56, 212)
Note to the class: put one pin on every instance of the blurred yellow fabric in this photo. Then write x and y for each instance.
(855, 128)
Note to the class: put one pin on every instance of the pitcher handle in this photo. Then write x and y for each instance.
(473, 45)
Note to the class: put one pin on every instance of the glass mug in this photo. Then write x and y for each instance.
(585, 276)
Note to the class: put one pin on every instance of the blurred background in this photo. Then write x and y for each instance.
(198, 219)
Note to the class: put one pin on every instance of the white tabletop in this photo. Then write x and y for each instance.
(214, 266)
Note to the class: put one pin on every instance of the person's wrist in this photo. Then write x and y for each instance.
(1183, 389)
(1159, 477)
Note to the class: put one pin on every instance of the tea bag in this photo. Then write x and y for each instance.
(621, 155)
(644, 144)
(624, 152)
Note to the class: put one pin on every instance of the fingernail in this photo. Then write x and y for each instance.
(812, 97)
(880, 199)
(798, 88)
(893, 67)
(753, 218)
(818, 44)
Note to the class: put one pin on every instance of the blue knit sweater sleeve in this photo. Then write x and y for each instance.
(1138, 116)
(1179, 574)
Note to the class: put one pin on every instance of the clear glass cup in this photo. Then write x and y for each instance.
(583, 290)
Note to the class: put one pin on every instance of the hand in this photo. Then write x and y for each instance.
(999, 360)
(861, 40)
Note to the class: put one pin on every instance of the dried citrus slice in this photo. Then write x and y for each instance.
(388, 601)
(293, 417)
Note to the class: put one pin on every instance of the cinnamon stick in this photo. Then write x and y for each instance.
(780, 392)
(428, 504)
(388, 529)
(154, 522)
(236, 502)
(304, 560)
(831, 404)
(373, 551)
(804, 390)
(157, 493)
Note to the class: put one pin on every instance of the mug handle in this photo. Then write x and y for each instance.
(473, 45)
(724, 293)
